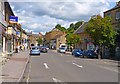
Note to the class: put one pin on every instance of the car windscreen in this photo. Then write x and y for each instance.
(35, 48)
(62, 48)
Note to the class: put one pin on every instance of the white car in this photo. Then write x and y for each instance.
(62, 50)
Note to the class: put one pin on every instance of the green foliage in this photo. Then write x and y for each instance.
(39, 40)
(77, 25)
(72, 38)
(58, 26)
(100, 29)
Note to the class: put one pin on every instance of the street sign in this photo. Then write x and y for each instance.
(18, 33)
(13, 19)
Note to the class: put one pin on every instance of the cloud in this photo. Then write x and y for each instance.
(43, 16)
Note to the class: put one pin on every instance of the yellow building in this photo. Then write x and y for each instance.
(61, 39)
(32, 39)
(50, 37)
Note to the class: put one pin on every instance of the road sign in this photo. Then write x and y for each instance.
(13, 19)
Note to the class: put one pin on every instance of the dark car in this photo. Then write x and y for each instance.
(90, 54)
(77, 53)
(44, 49)
(35, 51)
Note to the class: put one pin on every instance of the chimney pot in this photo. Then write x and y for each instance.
(118, 4)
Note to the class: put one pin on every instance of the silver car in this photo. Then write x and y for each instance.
(35, 50)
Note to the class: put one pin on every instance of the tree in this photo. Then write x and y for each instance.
(100, 29)
(58, 26)
(72, 38)
(39, 40)
(77, 24)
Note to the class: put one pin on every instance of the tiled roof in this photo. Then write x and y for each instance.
(35, 35)
(81, 28)
(116, 7)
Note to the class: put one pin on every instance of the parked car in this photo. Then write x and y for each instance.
(62, 50)
(77, 53)
(44, 49)
(90, 54)
(35, 51)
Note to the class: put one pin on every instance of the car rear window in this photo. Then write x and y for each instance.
(61, 48)
(35, 48)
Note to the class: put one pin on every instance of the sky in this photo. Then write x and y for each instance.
(43, 15)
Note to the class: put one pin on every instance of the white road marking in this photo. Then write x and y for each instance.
(78, 65)
(46, 66)
(110, 69)
(28, 76)
(56, 80)
(61, 55)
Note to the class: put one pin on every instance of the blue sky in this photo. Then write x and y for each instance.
(42, 16)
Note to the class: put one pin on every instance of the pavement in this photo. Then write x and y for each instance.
(14, 69)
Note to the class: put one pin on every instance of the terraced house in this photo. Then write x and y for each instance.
(114, 13)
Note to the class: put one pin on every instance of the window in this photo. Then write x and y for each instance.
(117, 15)
(109, 15)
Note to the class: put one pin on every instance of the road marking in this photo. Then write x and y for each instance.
(28, 76)
(61, 55)
(111, 69)
(78, 65)
(58, 81)
(46, 66)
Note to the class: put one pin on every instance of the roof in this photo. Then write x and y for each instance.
(81, 28)
(8, 7)
(29, 33)
(40, 34)
(35, 35)
(116, 7)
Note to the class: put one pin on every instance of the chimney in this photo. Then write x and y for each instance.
(118, 3)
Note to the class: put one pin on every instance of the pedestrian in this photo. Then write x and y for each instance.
(20, 47)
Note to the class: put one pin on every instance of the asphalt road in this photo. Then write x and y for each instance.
(58, 67)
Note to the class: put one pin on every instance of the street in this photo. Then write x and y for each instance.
(58, 67)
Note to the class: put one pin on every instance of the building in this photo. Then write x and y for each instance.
(10, 28)
(24, 38)
(85, 42)
(51, 38)
(3, 26)
(32, 39)
(61, 39)
(114, 13)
